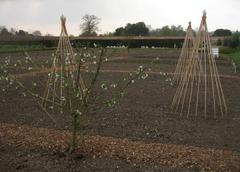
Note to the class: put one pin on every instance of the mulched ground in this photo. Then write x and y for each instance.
(14, 158)
(134, 152)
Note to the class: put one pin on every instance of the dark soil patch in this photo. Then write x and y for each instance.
(148, 118)
(143, 115)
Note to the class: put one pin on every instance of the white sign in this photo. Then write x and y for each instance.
(215, 52)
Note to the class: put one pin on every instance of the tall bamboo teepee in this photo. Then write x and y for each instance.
(200, 91)
(185, 55)
(63, 71)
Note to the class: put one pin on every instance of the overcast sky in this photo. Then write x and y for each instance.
(44, 15)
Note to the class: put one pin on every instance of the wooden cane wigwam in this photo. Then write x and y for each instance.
(185, 55)
(200, 92)
(62, 73)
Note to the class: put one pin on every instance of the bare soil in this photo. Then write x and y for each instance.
(142, 115)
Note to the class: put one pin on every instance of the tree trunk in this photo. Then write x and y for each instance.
(73, 136)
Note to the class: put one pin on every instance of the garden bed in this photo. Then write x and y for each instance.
(143, 117)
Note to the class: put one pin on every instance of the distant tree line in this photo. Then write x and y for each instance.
(168, 31)
(136, 29)
(222, 32)
(140, 29)
(232, 40)
(13, 32)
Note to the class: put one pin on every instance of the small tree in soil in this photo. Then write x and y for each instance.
(67, 91)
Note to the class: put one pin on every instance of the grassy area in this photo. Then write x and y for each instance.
(226, 50)
(236, 58)
(234, 54)
(20, 48)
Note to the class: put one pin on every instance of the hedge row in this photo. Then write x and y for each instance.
(171, 43)
(168, 43)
